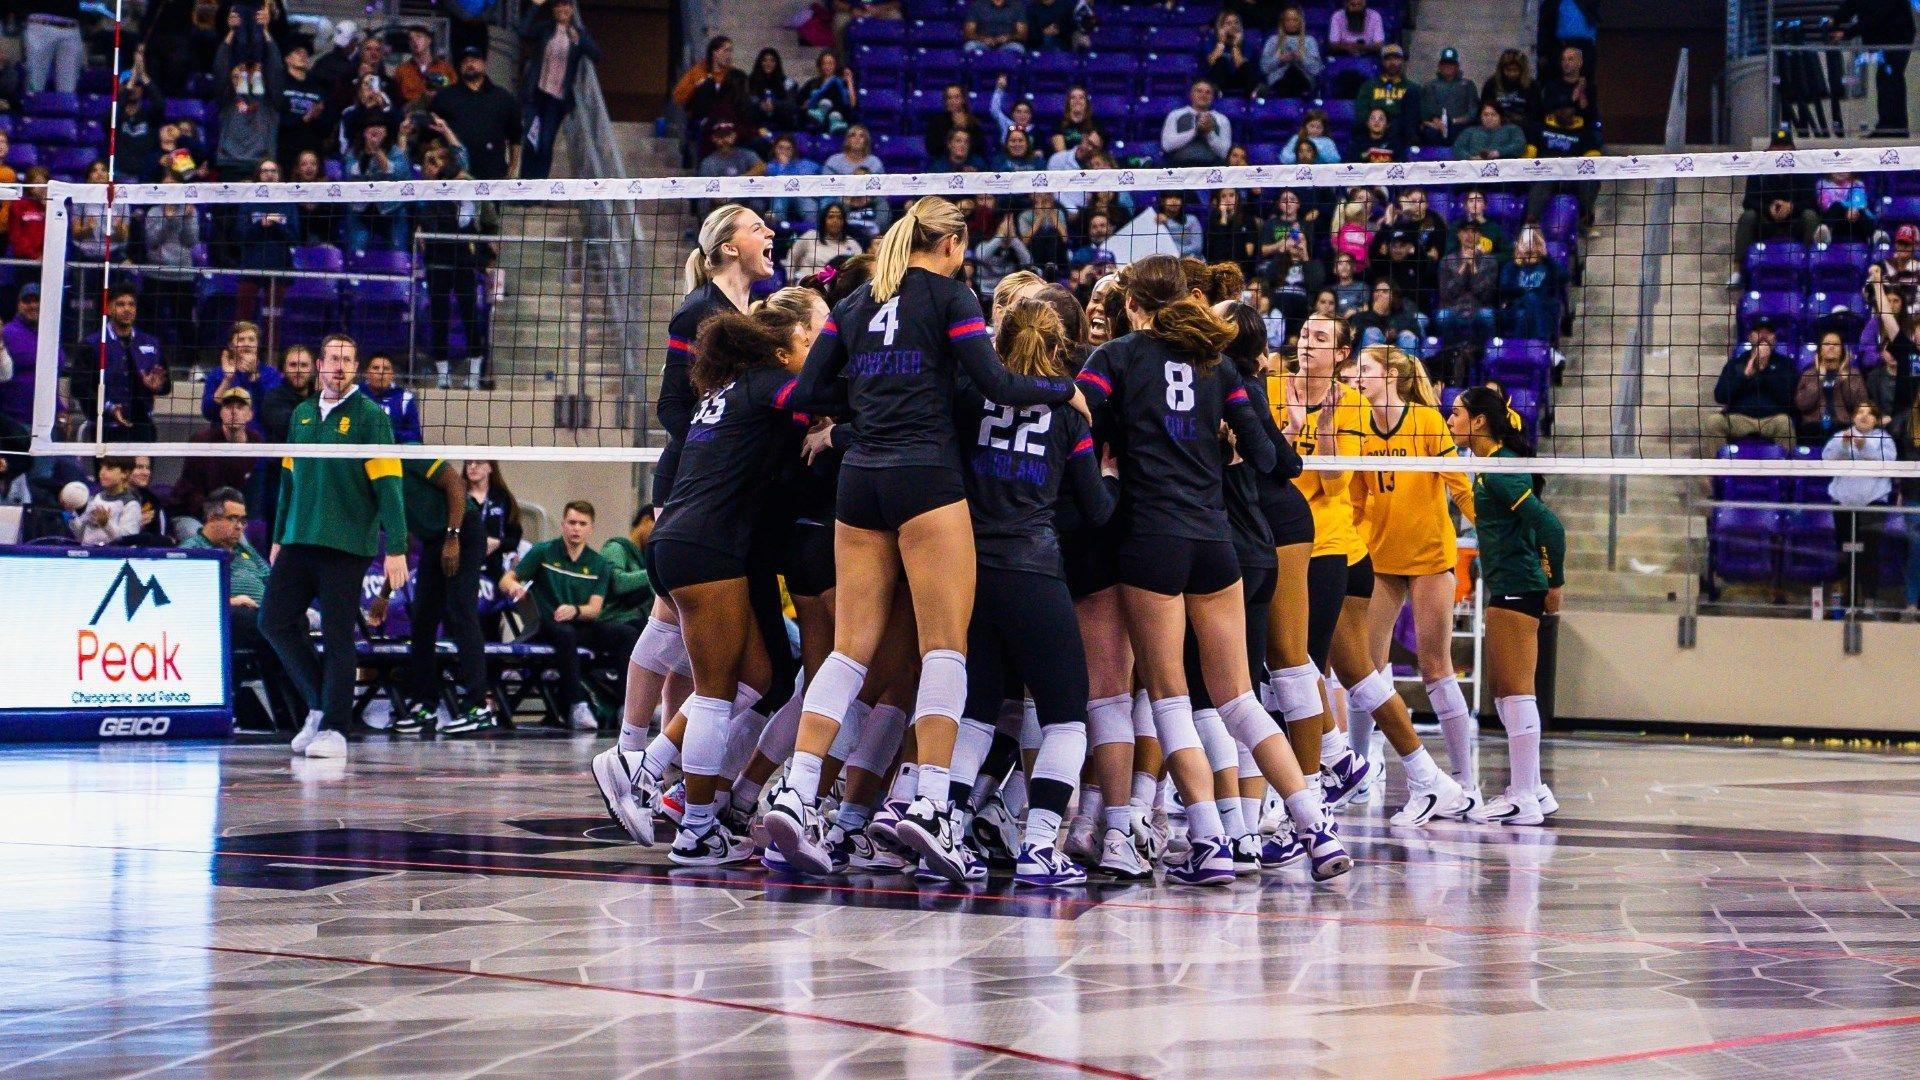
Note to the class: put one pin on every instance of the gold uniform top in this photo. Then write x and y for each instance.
(1334, 531)
(1403, 515)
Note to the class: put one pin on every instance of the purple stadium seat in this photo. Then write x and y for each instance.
(1358, 68)
(1844, 312)
(1054, 71)
(379, 312)
(331, 169)
(50, 103)
(1741, 543)
(937, 33)
(1782, 307)
(50, 130)
(935, 68)
(96, 80)
(196, 110)
(1281, 115)
(1264, 153)
(880, 67)
(1198, 15)
(1837, 268)
(1180, 40)
(1111, 37)
(1111, 108)
(1429, 153)
(1769, 488)
(881, 106)
(309, 310)
(1047, 105)
(319, 258)
(1808, 554)
(72, 159)
(1339, 113)
(1174, 74)
(23, 156)
(1523, 400)
(1109, 73)
(1898, 208)
(1238, 111)
(92, 106)
(1776, 265)
(94, 133)
(876, 32)
(1507, 208)
(985, 69)
(1519, 363)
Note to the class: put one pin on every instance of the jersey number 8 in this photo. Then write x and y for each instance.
(1179, 386)
(1028, 426)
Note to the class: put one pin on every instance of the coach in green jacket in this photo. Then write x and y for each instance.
(333, 512)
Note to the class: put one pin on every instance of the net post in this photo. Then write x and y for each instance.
(46, 359)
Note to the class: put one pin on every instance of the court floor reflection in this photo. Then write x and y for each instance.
(456, 909)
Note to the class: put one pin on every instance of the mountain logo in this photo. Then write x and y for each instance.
(134, 592)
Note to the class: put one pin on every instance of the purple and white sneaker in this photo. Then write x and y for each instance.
(884, 821)
(1329, 857)
(1283, 849)
(1343, 780)
(1042, 867)
(1210, 863)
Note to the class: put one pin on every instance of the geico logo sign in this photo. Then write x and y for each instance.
(121, 726)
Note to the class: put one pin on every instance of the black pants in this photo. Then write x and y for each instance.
(1326, 595)
(541, 120)
(769, 617)
(452, 602)
(1890, 87)
(608, 642)
(1024, 631)
(1863, 571)
(243, 635)
(1292, 83)
(328, 578)
(453, 281)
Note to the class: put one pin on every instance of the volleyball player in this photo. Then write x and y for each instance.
(1403, 518)
(735, 250)
(900, 340)
(1167, 386)
(1523, 554)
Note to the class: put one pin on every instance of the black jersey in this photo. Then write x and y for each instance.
(727, 461)
(1281, 503)
(900, 358)
(677, 399)
(1170, 413)
(1246, 519)
(1021, 460)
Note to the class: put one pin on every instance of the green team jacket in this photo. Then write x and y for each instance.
(342, 503)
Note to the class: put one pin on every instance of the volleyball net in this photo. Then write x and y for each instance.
(1619, 302)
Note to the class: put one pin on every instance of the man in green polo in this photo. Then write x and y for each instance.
(333, 513)
(569, 582)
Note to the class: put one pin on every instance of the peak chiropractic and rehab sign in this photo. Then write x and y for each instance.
(103, 643)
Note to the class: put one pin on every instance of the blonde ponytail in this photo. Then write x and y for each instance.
(1409, 375)
(1031, 337)
(926, 223)
(717, 229)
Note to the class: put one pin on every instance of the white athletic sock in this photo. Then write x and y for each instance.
(1013, 793)
(632, 739)
(1144, 785)
(803, 776)
(970, 746)
(905, 783)
(1250, 812)
(932, 783)
(1456, 725)
(1304, 808)
(1230, 817)
(1093, 804)
(697, 816)
(1119, 817)
(1520, 714)
(1203, 821)
(744, 796)
(1360, 732)
(1042, 828)
(852, 816)
(1421, 771)
(1333, 747)
(661, 756)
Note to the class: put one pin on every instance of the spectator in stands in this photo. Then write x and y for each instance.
(719, 93)
(96, 238)
(786, 161)
(1563, 134)
(174, 44)
(1568, 86)
(955, 115)
(845, 11)
(223, 527)
(1856, 530)
(1493, 137)
(959, 156)
(383, 388)
(1469, 288)
(1350, 291)
(1774, 207)
(156, 525)
(1232, 235)
(856, 154)
(1893, 384)
(319, 221)
(1755, 392)
(569, 582)
(20, 340)
(202, 475)
(276, 404)
(1530, 290)
(1355, 30)
(499, 514)
(1188, 235)
(1017, 154)
(1893, 283)
(1313, 131)
(1844, 217)
(1000, 254)
(240, 367)
(446, 594)
(1194, 134)
(54, 48)
(1492, 236)
(867, 217)
(1351, 225)
(137, 132)
(424, 70)
(1510, 88)
(455, 255)
(1828, 392)
(1566, 23)
(1392, 92)
(772, 97)
(136, 370)
(1290, 61)
(554, 44)
(1050, 24)
(1076, 123)
(1398, 255)
(112, 512)
(302, 106)
(828, 100)
(995, 25)
(728, 157)
(1291, 276)
(338, 64)
(1448, 103)
(377, 226)
(1887, 25)
(1020, 116)
(1099, 230)
(1387, 319)
(267, 234)
(820, 245)
(169, 233)
(250, 105)
(1376, 141)
(484, 116)
(1410, 209)
(1231, 66)
(1042, 227)
(332, 514)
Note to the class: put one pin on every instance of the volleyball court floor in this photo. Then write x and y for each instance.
(464, 908)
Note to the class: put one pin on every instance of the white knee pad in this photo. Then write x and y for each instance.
(1246, 722)
(1519, 714)
(1296, 693)
(1110, 721)
(1370, 693)
(851, 726)
(970, 746)
(705, 746)
(742, 736)
(1143, 716)
(1063, 750)
(834, 686)
(879, 740)
(943, 685)
(1447, 698)
(777, 738)
(661, 649)
(744, 697)
(1248, 766)
(1215, 740)
(1173, 725)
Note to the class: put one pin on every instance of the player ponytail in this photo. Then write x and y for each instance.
(716, 230)
(730, 344)
(1157, 286)
(1031, 338)
(1491, 406)
(1249, 345)
(928, 222)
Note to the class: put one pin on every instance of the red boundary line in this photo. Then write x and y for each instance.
(1737, 1043)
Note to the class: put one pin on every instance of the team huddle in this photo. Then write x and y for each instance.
(1054, 569)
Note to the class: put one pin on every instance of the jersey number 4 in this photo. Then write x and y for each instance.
(1028, 426)
(1179, 386)
(886, 321)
